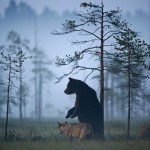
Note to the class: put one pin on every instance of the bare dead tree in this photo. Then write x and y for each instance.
(20, 46)
(11, 64)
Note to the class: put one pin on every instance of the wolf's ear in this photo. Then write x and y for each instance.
(65, 122)
(59, 124)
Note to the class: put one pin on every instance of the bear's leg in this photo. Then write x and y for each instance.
(75, 113)
(70, 112)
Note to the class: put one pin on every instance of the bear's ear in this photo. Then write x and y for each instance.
(71, 79)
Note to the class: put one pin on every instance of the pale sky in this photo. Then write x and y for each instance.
(47, 41)
(61, 6)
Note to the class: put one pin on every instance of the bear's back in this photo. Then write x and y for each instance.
(88, 99)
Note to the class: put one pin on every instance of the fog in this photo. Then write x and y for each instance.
(42, 17)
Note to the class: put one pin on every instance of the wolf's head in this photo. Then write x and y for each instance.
(61, 127)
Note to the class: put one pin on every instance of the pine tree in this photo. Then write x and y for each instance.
(11, 64)
(131, 54)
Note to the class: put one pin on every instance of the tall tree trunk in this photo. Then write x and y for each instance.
(129, 93)
(36, 67)
(24, 105)
(102, 77)
(118, 104)
(40, 92)
(7, 110)
(36, 88)
(112, 103)
(122, 103)
(106, 97)
(20, 105)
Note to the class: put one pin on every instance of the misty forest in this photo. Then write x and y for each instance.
(101, 47)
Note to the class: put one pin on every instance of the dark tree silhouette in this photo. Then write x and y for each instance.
(12, 63)
(20, 46)
(131, 53)
(2, 90)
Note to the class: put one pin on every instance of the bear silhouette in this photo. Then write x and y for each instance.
(87, 106)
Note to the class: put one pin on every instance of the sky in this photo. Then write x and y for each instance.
(49, 42)
(61, 6)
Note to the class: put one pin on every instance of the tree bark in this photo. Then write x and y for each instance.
(102, 77)
(129, 92)
(20, 106)
(106, 113)
(112, 101)
(40, 93)
(7, 109)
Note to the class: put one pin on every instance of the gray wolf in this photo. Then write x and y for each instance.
(76, 130)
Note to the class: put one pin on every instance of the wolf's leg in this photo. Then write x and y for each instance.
(69, 138)
(83, 133)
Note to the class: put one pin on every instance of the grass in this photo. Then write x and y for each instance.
(32, 135)
(75, 145)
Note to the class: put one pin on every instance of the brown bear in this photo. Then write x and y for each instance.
(87, 106)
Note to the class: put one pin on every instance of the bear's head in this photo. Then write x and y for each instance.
(72, 86)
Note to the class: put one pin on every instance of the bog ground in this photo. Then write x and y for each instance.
(32, 135)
